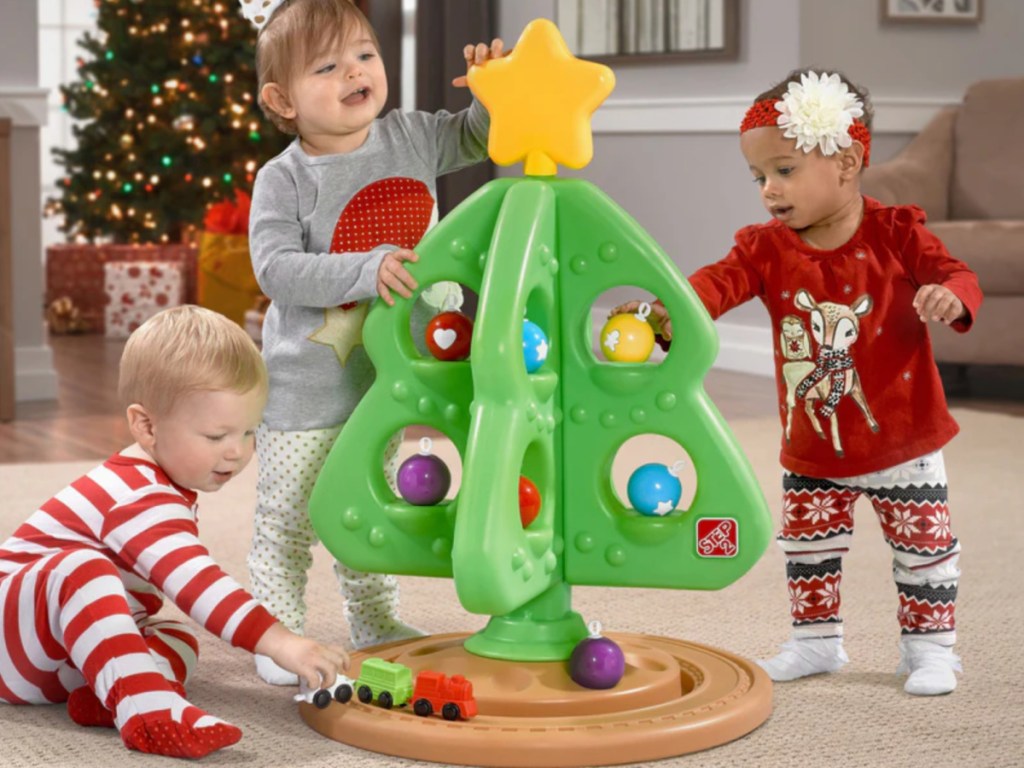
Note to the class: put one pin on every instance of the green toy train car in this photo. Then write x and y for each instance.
(389, 683)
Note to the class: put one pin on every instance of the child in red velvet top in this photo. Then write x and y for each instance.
(849, 285)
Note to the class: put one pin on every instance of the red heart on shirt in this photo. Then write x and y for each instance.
(395, 210)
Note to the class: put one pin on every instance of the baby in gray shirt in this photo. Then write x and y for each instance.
(334, 218)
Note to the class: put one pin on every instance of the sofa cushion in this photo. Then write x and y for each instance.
(993, 249)
(988, 160)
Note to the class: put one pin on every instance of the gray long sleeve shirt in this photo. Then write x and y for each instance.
(319, 228)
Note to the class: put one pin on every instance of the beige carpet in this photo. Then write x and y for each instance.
(859, 717)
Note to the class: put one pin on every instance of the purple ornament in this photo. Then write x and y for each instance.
(597, 662)
(424, 479)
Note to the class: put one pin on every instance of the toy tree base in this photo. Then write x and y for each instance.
(676, 697)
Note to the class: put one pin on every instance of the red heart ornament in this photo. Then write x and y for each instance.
(448, 336)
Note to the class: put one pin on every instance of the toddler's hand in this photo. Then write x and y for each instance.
(478, 54)
(938, 303)
(392, 276)
(314, 662)
(659, 319)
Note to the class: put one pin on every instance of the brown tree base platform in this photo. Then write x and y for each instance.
(676, 697)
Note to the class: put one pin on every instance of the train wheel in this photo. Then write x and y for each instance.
(423, 708)
(450, 711)
(385, 700)
(343, 693)
(365, 694)
(322, 698)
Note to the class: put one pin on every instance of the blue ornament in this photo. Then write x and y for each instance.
(535, 346)
(654, 489)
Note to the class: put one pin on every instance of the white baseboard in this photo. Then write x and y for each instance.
(745, 349)
(35, 378)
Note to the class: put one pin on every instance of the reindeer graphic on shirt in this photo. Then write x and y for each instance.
(831, 375)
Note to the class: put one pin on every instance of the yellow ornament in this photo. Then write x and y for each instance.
(628, 338)
(540, 98)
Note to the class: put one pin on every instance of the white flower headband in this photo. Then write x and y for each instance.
(818, 111)
(258, 11)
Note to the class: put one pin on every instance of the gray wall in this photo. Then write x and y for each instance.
(922, 59)
(690, 188)
(35, 377)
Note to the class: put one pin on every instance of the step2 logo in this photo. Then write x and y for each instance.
(717, 537)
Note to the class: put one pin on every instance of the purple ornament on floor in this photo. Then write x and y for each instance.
(424, 479)
(596, 661)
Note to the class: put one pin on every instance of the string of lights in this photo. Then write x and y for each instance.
(166, 121)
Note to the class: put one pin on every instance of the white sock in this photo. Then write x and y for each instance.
(271, 673)
(931, 667)
(378, 630)
(801, 657)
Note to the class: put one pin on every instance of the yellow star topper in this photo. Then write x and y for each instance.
(540, 98)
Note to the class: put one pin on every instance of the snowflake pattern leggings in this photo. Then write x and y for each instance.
(911, 501)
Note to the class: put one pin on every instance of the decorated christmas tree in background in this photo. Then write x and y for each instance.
(166, 120)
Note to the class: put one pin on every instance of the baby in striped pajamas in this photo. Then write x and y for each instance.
(85, 575)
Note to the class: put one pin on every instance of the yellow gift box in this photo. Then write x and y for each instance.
(226, 282)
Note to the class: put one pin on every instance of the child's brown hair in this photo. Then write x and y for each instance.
(298, 32)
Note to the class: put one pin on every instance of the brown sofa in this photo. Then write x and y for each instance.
(966, 169)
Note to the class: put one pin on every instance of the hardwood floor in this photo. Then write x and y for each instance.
(86, 421)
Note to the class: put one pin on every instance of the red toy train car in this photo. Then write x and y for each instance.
(451, 696)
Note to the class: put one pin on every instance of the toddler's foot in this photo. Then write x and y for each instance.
(179, 733)
(271, 673)
(931, 667)
(85, 709)
(380, 630)
(805, 656)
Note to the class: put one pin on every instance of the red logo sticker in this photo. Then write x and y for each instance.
(717, 537)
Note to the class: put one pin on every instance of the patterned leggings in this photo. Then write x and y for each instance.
(67, 622)
(911, 503)
(283, 535)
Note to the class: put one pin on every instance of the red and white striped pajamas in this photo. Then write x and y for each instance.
(80, 582)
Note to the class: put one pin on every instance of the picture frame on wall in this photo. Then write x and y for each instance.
(933, 11)
(641, 31)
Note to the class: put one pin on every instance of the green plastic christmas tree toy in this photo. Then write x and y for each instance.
(542, 248)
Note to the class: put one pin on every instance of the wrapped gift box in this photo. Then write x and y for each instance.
(76, 271)
(135, 291)
(225, 281)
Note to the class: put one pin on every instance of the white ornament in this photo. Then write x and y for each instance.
(818, 112)
(258, 11)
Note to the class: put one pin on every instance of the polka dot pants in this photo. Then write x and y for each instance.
(283, 536)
